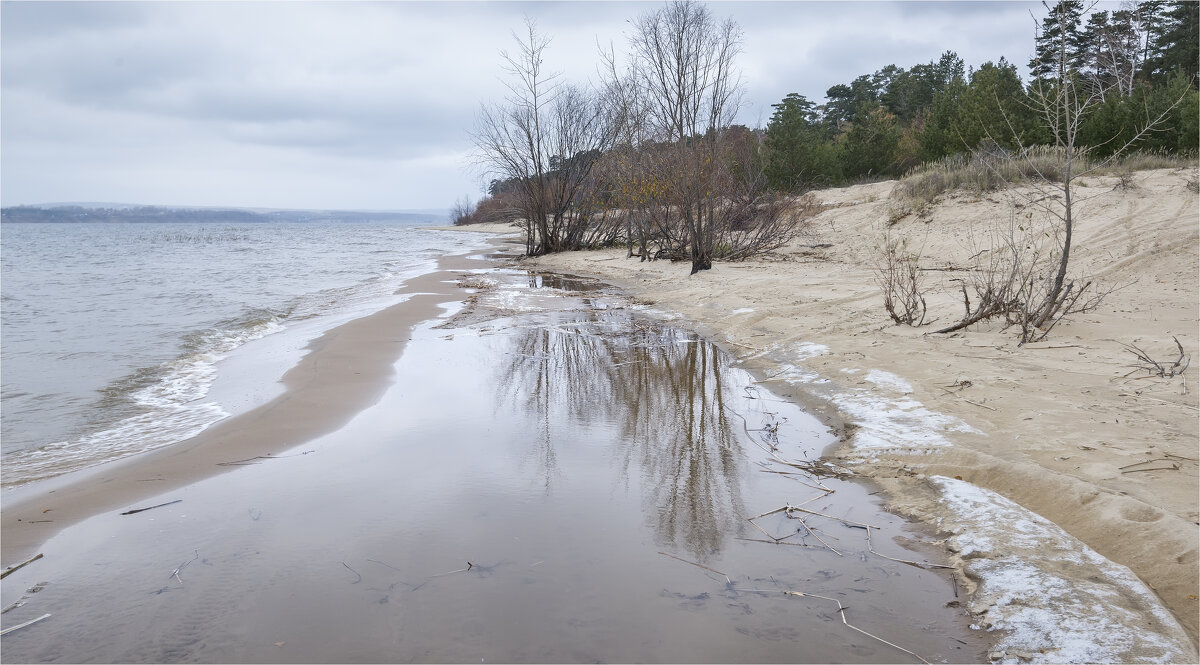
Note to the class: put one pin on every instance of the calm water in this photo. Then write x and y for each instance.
(109, 332)
(597, 470)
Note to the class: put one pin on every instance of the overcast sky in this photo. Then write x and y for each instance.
(368, 105)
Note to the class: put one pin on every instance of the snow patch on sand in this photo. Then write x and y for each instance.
(884, 423)
(1053, 598)
(889, 381)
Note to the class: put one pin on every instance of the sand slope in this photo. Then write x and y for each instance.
(1056, 426)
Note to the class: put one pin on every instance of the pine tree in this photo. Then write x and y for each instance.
(1060, 29)
(798, 157)
(1179, 40)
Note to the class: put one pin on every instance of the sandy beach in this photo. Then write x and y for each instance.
(1068, 428)
(329, 523)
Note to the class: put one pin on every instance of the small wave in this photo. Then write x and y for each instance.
(150, 408)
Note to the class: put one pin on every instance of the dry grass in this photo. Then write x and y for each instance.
(991, 169)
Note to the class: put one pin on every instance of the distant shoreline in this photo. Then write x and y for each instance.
(123, 213)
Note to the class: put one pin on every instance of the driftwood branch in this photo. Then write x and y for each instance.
(13, 569)
(142, 510)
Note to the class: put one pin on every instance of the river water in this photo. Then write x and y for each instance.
(555, 476)
(112, 332)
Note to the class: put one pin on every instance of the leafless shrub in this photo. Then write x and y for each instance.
(766, 224)
(1164, 368)
(899, 276)
(1013, 278)
(501, 208)
(462, 211)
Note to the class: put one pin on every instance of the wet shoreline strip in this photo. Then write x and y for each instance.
(345, 370)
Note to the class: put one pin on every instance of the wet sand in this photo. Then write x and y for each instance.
(345, 371)
(546, 475)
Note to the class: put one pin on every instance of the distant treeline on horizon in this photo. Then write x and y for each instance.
(78, 214)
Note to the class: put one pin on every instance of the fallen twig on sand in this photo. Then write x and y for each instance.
(699, 565)
(1173, 467)
(175, 573)
(250, 460)
(27, 623)
(12, 569)
(1163, 369)
(142, 510)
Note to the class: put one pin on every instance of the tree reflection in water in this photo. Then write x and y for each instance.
(661, 391)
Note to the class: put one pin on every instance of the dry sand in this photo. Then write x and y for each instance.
(1058, 427)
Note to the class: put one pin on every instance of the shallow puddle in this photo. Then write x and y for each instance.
(568, 482)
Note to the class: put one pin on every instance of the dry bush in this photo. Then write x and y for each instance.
(765, 226)
(1013, 280)
(899, 276)
(462, 211)
(504, 207)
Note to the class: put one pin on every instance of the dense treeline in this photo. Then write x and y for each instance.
(1141, 59)
(652, 157)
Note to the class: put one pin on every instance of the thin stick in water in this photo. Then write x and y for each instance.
(13, 569)
(142, 510)
(27, 623)
(699, 565)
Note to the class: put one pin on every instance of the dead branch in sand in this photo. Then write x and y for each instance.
(142, 510)
(699, 565)
(13, 569)
(250, 460)
(1159, 368)
(1171, 466)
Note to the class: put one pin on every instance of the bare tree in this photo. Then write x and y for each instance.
(1029, 283)
(683, 61)
(545, 137)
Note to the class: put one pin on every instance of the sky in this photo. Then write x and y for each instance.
(369, 105)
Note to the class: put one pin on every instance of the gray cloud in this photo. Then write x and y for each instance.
(368, 105)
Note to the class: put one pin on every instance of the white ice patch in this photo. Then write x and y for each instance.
(885, 423)
(889, 381)
(806, 350)
(1054, 598)
(743, 310)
